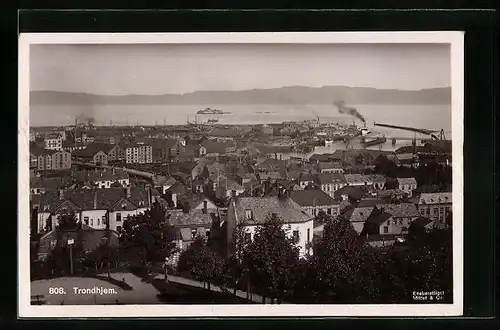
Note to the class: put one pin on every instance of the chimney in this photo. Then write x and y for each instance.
(186, 207)
(205, 203)
(128, 191)
(95, 200)
(114, 170)
(61, 194)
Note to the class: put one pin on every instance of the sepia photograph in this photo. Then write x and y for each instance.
(241, 174)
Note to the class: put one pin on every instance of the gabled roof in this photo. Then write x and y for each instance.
(358, 214)
(378, 217)
(421, 222)
(400, 209)
(178, 188)
(335, 178)
(86, 199)
(357, 178)
(312, 197)
(263, 207)
(435, 198)
(194, 218)
(407, 181)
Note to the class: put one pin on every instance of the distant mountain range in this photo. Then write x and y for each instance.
(297, 95)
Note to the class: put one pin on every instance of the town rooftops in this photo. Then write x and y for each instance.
(407, 181)
(311, 197)
(108, 175)
(91, 150)
(307, 177)
(357, 179)
(260, 208)
(376, 178)
(336, 178)
(435, 198)
(400, 210)
(178, 188)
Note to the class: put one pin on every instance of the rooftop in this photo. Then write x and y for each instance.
(435, 198)
(311, 197)
(263, 207)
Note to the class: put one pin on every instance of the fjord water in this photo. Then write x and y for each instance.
(420, 116)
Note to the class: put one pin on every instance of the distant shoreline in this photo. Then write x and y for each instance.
(297, 96)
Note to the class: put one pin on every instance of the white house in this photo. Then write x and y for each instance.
(105, 179)
(93, 207)
(407, 185)
(250, 212)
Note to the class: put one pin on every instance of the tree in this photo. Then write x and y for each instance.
(204, 264)
(68, 221)
(339, 271)
(271, 258)
(148, 238)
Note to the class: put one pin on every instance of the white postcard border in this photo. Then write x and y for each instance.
(454, 38)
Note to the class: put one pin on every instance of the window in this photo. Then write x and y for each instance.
(441, 210)
(248, 214)
(386, 229)
(308, 235)
(296, 235)
(207, 233)
(118, 217)
(91, 222)
(422, 211)
(98, 222)
(329, 212)
(193, 233)
(428, 211)
(435, 211)
(395, 221)
(400, 222)
(86, 220)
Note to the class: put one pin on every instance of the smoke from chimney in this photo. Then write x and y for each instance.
(350, 111)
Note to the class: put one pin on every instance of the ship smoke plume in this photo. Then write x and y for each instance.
(348, 110)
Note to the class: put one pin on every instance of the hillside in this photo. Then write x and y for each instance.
(284, 95)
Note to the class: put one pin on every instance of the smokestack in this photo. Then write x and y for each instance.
(128, 191)
(95, 200)
(114, 170)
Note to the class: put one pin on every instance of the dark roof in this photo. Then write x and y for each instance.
(178, 188)
(262, 207)
(353, 192)
(216, 147)
(83, 199)
(307, 177)
(400, 209)
(378, 217)
(312, 197)
(421, 222)
(108, 175)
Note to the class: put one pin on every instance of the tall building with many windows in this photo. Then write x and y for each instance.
(139, 154)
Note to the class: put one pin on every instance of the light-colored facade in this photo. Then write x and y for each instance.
(407, 185)
(53, 144)
(59, 160)
(139, 154)
(435, 206)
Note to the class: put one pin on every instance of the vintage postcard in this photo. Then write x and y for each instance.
(241, 174)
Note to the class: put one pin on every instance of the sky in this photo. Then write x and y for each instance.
(183, 68)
